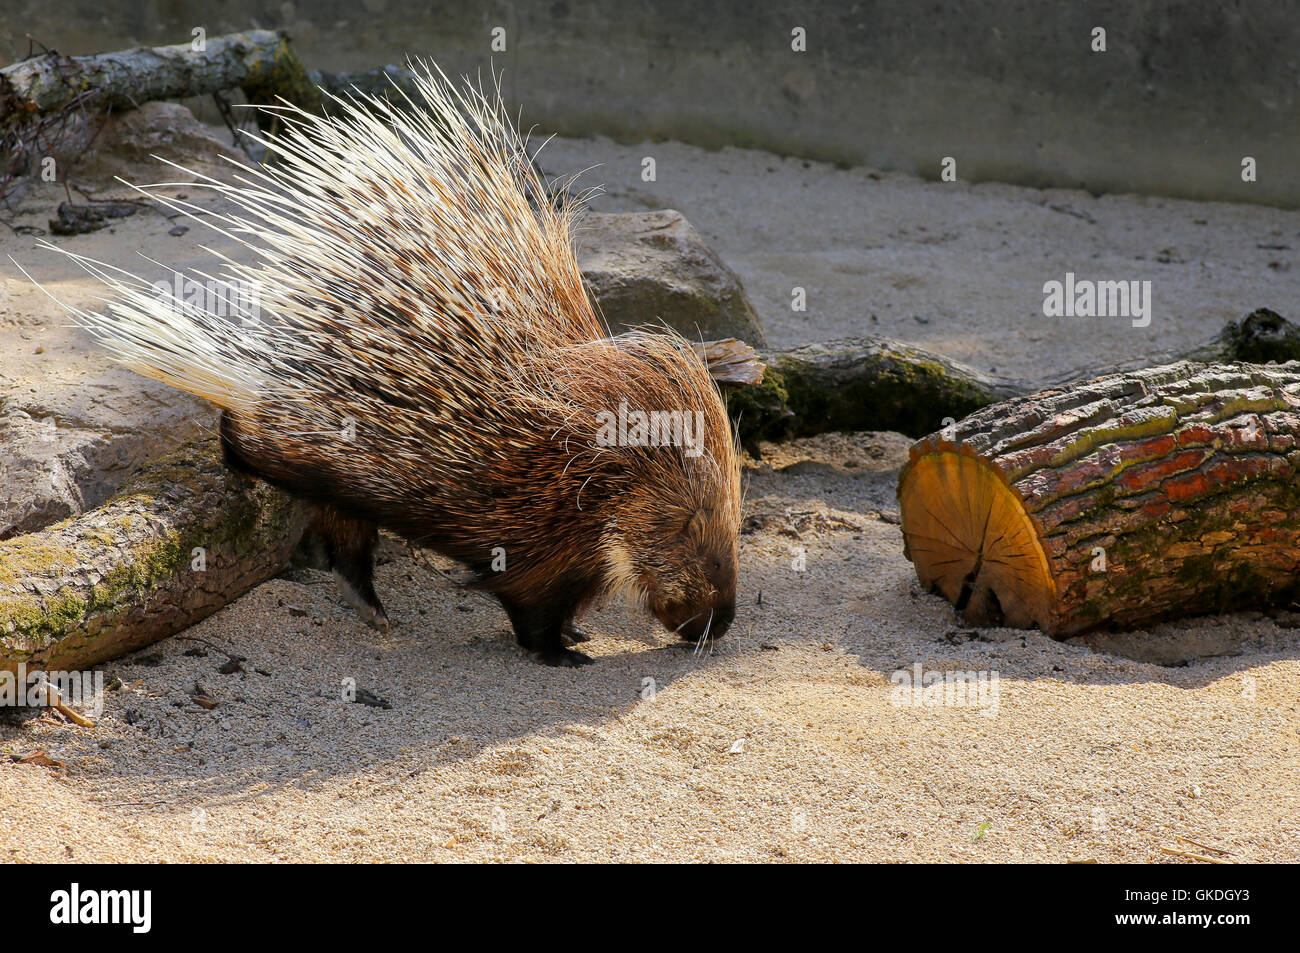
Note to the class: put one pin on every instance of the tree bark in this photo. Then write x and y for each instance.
(1116, 502)
(128, 573)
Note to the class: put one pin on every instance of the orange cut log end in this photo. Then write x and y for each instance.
(971, 541)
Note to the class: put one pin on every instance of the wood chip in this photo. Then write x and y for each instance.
(40, 758)
(1188, 854)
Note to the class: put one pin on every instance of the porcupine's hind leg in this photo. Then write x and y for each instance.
(350, 547)
(349, 543)
(541, 629)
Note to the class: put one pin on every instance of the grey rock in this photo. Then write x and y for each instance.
(650, 267)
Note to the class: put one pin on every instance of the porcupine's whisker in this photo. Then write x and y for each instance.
(677, 631)
(704, 639)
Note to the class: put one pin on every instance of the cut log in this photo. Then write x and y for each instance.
(1115, 502)
(178, 542)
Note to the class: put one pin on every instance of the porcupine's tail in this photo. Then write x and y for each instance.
(146, 328)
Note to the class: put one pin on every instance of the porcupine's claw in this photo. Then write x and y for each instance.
(372, 613)
(574, 633)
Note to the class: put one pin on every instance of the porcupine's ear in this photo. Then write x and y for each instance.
(695, 524)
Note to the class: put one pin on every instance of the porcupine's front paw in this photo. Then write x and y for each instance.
(541, 629)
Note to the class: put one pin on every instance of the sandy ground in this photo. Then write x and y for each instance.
(787, 742)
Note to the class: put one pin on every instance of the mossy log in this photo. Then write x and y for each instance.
(1115, 502)
(879, 384)
(261, 63)
(179, 541)
(857, 384)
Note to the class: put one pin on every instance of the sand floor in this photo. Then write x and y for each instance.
(786, 743)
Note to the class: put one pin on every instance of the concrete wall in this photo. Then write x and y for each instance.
(1010, 89)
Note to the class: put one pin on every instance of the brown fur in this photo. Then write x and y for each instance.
(574, 520)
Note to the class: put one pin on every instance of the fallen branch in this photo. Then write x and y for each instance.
(261, 63)
(52, 104)
(179, 541)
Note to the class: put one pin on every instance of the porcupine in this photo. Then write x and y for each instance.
(424, 358)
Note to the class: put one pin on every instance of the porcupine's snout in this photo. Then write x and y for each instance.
(707, 621)
(697, 600)
(675, 544)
